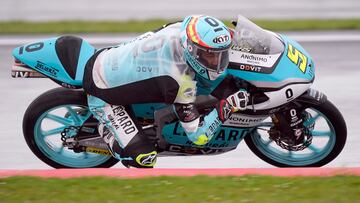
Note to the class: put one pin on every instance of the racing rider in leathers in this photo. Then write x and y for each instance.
(164, 66)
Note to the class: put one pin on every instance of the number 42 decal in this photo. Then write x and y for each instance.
(297, 57)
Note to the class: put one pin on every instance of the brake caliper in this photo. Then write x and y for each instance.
(289, 131)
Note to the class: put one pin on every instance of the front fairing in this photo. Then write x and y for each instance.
(267, 59)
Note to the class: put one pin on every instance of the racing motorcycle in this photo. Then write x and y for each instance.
(286, 123)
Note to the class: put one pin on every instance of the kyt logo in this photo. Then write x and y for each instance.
(221, 39)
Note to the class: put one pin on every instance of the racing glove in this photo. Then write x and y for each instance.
(238, 100)
(224, 110)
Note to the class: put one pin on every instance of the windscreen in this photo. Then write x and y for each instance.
(252, 39)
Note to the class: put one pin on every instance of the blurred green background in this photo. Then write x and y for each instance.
(182, 189)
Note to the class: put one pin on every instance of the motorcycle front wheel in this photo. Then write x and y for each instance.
(329, 136)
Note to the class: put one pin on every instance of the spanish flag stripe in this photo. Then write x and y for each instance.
(192, 34)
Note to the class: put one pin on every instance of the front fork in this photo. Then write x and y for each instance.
(289, 131)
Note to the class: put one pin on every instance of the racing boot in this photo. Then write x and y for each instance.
(140, 152)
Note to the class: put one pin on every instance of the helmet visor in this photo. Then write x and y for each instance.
(213, 60)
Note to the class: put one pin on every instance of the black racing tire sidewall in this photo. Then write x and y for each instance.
(336, 119)
(48, 100)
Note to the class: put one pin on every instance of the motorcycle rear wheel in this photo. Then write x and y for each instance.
(47, 116)
(327, 142)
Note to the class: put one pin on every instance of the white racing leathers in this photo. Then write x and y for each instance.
(149, 68)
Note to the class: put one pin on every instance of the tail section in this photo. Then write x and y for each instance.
(62, 59)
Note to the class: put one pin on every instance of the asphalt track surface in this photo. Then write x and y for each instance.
(337, 75)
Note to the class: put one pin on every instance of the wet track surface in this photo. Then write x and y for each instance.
(337, 75)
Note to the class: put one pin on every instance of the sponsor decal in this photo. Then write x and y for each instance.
(258, 63)
(240, 48)
(213, 127)
(122, 123)
(143, 69)
(253, 62)
(251, 58)
(221, 39)
(250, 68)
(240, 120)
(20, 74)
(296, 123)
(294, 119)
(124, 120)
(297, 58)
(98, 151)
(45, 68)
(188, 150)
(221, 139)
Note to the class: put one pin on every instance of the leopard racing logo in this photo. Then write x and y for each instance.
(122, 123)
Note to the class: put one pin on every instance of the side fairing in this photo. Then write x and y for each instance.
(147, 110)
(224, 138)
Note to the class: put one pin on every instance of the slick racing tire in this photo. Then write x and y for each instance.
(47, 117)
(327, 142)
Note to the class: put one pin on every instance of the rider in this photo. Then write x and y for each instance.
(163, 66)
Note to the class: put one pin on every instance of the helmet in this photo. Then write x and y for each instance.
(206, 42)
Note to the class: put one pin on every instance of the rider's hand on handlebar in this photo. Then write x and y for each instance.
(239, 100)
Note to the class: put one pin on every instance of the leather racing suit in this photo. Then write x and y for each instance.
(148, 69)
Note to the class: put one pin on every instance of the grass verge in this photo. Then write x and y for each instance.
(19, 27)
(182, 189)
